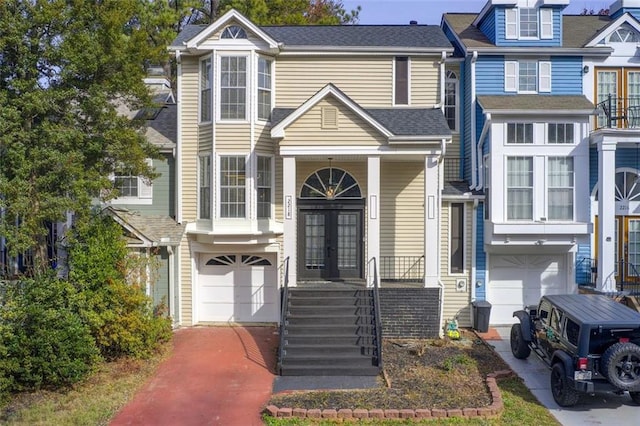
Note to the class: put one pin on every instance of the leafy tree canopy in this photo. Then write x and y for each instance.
(66, 68)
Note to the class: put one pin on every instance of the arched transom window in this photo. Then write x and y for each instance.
(627, 186)
(234, 32)
(330, 183)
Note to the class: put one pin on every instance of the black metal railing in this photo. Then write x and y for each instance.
(402, 268)
(618, 113)
(284, 301)
(627, 275)
(376, 310)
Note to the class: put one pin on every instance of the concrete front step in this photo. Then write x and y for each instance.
(328, 371)
(337, 360)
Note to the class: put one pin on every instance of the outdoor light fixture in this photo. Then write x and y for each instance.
(585, 69)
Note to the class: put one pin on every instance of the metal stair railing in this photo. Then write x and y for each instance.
(376, 311)
(283, 311)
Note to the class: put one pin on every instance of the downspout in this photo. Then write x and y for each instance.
(474, 236)
(483, 136)
(474, 58)
(178, 152)
(172, 282)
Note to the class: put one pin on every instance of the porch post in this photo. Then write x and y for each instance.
(431, 222)
(290, 238)
(606, 280)
(373, 214)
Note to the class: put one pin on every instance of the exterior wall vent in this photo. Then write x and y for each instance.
(461, 285)
(329, 117)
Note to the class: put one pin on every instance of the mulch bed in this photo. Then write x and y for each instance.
(422, 374)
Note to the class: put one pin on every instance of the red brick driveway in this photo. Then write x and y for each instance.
(215, 376)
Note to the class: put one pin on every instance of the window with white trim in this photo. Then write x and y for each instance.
(232, 187)
(456, 239)
(527, 76)
(560, 133)
(519, 188)
(264, 89)
(234, 32)
(205, 89)
(204, 187)
(133, 189)
(233, 88)
(519, 133)
(560, 187)
(451, 100)
(401, 80)
(265, 190)
(528, 24)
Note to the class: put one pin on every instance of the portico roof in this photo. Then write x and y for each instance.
(536, 104)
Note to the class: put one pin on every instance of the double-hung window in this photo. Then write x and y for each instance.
(456, 244)
(132, 189)
(519, 133)
(560, 188)
(204, 187)
(451, 100)
(560, 133)
(264, 180)
(528, 23)
(519, 188)
(205, 89)
(233, 88)
(127, 186)
(527, 76)
(264, 89)
(232, 187)
(401, 82)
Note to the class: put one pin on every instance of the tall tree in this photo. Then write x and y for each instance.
(66, 67)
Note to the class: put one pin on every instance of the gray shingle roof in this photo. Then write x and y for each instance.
(162, 130)
(159, 229)
(397, 36)
(536, 103)
(360, 35)
(459, 189)
(412, 121)
(578, 30)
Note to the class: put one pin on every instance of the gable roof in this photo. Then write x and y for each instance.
(611, 26)
(392, 123)
(340, 37)
(536, 104)
(150, 230)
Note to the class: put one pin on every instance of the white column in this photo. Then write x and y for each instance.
(373, 214)
(431, 222)
(290, 236)
(606, 280)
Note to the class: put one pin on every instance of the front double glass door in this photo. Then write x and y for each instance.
(331, 244)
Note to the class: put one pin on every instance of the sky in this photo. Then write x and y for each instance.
(430, 11)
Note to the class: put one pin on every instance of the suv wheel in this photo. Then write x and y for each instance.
(621, 365)
(519, 347)
(562, 393)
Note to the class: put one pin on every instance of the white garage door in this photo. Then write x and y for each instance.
(518, 281)
(237, 288)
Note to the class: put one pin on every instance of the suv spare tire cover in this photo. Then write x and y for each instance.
(621, 365)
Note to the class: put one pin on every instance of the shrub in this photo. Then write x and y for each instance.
(45, 343)
(120, 315)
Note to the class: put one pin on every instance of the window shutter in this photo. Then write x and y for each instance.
(510, 76)
(511, 24)
(145, 189)
(544, 76)
(546, 23)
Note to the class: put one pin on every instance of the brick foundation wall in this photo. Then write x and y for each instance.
(410, 312)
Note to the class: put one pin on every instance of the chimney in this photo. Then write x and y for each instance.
(413, 22)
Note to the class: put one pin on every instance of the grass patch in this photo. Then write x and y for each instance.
(92, 402)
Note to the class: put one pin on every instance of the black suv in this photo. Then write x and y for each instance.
(589, 341)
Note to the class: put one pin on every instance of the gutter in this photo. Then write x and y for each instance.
(483, 136)
(178, 151)
(474, 233)
(474, 58)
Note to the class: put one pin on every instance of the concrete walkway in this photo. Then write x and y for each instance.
(215, 376)
(601, 409)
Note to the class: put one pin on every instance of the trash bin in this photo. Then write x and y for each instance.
(481, 313)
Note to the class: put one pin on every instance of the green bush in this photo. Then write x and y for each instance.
(45, 343)
(119, 314)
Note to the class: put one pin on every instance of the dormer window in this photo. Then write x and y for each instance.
(528, 24)
(234, 32)
(624, 34)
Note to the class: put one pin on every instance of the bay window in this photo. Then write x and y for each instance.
(264, 89)
(520, 188)
(204, 187)
(205, 89)
(232, 187)
(264, 181)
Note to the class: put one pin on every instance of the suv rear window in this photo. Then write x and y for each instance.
(571, 332)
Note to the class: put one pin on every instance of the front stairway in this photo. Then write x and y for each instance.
(329, 332)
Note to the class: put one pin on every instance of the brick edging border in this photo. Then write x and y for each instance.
(495, 408)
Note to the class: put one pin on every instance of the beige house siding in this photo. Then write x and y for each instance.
(189, 136)
(367, 80)
(402, 209)
(205, 137)
(351, 129)
(456, 303)
(263, 142)
(425, 82)
(186, 293)
(233, 138)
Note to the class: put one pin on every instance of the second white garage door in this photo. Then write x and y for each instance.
(518, 281)
(237, 288)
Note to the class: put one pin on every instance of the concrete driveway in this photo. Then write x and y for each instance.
(602, 409)
(214, 376)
